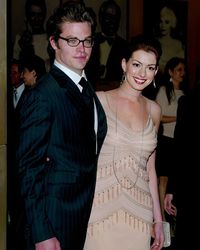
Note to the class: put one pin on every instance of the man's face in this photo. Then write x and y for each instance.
(110, 22)
(36, 18)
(16, 78)
(75, 58)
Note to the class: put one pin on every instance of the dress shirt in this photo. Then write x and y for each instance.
(17, 92)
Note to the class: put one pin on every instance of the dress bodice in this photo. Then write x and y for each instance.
(126, 147)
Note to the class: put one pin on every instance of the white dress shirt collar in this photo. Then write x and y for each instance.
(17, 93)
(71, 74)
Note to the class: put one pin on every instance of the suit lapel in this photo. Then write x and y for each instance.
(63, 80)
(68, 86)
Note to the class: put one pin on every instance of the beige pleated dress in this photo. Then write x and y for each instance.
(121, 217)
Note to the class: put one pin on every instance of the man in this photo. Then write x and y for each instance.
(183, 186)
(16, 81)
(33, 39)
(16, 89)
(60, 138)
(105, 64)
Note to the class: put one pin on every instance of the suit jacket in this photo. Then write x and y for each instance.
(186, 135)
(16, 228)
(57, 159)
(184, 182)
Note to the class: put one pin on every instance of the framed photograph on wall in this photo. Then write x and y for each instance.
(167, 20)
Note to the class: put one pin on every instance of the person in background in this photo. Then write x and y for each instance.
(16, 81)
(33, 40)
(183, 185)
(171, 44)
(26, 73)
(15, 229)
(109, 48)
(170, 35)
(33, 70)
(174, 86)
(62, 126)
(126, 203)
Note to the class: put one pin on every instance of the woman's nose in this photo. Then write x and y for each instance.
(142, 71)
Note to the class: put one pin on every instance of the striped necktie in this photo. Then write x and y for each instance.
(15, 97)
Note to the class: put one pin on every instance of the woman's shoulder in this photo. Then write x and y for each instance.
(154, 111)
(105, 95)
(161, 94)
(101, 95)
(161, 89)
(153, 105)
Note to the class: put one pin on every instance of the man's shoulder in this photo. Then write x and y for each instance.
(45, 85)
(121, 39)
(192, 97)
(46, 79)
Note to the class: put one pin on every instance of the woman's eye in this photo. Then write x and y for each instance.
(152, 68)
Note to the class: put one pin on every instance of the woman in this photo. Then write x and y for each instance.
(170, 42)
(126, 201)
(33, 70)
(168, 95)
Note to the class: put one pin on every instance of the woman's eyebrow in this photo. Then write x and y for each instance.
(151, 64)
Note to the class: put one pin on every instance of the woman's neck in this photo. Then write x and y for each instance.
(127, 91)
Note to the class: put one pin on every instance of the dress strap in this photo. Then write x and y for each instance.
(107, 101)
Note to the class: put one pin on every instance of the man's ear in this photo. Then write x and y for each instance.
(53, 42)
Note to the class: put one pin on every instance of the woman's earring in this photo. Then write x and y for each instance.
(170, 79)
(154, 83)
(123, 78)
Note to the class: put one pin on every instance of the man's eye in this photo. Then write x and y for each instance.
(88, 41)
(72, 40)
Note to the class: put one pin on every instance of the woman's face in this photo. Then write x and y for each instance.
(140, 69)
(29, 77)
(167, 21)
(178, 73)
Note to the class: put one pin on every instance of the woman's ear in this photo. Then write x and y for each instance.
(170, 72)
(156, 71)
(123, 64)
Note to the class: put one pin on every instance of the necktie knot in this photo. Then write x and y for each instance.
(14, 91)
(83, 82)
(86, 89)
(109, 39)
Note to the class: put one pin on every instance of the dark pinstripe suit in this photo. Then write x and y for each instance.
(58, 193)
